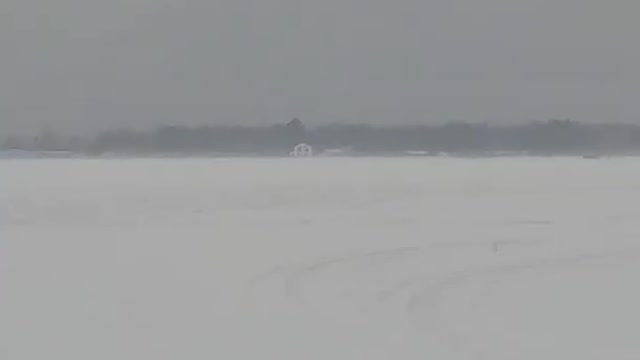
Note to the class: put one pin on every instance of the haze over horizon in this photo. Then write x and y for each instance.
(87, 65)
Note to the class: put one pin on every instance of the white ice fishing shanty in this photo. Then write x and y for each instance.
(301, 150)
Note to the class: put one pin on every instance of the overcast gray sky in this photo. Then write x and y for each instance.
(87, 64)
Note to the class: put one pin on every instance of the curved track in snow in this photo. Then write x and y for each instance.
(413, 282)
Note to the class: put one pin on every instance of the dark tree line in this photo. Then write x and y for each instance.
(272, 140)
(551, 137)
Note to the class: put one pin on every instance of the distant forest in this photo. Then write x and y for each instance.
(543, 138)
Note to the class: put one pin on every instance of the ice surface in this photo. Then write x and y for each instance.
(294, 259)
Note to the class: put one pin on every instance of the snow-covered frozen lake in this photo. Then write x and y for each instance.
(292, 259)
